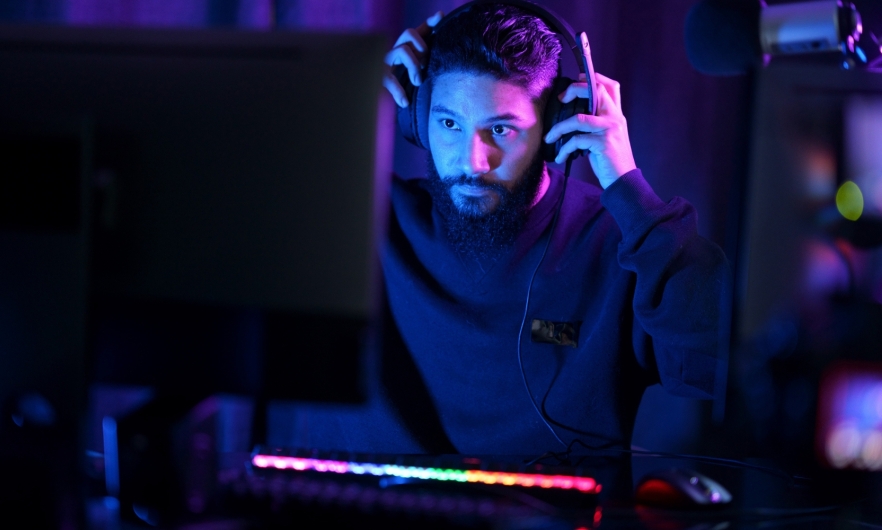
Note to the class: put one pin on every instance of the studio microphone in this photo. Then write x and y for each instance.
(729, 37)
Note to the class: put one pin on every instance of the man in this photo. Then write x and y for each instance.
(627, 294)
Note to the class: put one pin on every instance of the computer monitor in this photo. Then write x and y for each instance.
(235, 196)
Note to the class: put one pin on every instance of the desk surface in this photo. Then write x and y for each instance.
(761, 499)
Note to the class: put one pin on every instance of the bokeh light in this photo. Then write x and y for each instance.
(819, 171)
(850, 201)
(871, 452)
(851, 416)
(843, 445)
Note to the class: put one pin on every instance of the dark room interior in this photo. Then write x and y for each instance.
(198, 300)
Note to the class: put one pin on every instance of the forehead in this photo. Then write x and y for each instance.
(480, 96)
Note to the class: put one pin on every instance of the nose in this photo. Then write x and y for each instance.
(476, 160)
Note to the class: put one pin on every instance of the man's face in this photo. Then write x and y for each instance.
(484, 138)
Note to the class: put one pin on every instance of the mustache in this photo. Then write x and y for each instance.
(464, 180)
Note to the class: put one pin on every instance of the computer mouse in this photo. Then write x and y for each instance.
(680, 489)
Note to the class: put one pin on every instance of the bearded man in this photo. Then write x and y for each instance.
(624, 294)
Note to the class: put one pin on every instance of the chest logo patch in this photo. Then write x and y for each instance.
(557, 333)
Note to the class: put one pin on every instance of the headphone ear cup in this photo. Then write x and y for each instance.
(406, 118)
(556, 112)
(422, 96)
(413, 120)
(552, 116)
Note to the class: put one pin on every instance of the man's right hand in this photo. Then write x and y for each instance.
(411, 52)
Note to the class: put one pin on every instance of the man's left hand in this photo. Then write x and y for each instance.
(604, 136)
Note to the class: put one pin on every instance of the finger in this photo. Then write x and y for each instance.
(425, 29)
(580, 90)
(617, 95)
(390, 82)
(602, 78)
(606, 104)
(435, 19)
(580, 123)
(573, 91)
(612, 86)
(579, 142)
(412, 36)
(416, 37)
(604, 101)
(406, 56)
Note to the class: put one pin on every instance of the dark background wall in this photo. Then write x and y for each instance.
(684, 126)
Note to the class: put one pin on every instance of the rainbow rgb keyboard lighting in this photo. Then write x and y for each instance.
(466, 470)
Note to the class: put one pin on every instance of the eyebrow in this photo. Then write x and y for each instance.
(508, 116)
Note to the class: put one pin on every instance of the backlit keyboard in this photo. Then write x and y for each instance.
(452, 469)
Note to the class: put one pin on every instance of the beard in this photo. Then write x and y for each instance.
(472, 229)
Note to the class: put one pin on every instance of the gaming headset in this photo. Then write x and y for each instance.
(413, 119)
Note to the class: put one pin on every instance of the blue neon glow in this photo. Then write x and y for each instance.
(860, 53)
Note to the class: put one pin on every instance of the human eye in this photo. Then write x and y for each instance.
(501, 130)
(447, 123)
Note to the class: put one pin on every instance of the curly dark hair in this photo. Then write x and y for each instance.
(504, 41)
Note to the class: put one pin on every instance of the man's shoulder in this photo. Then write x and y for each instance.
(581, 197)
(581, 189)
